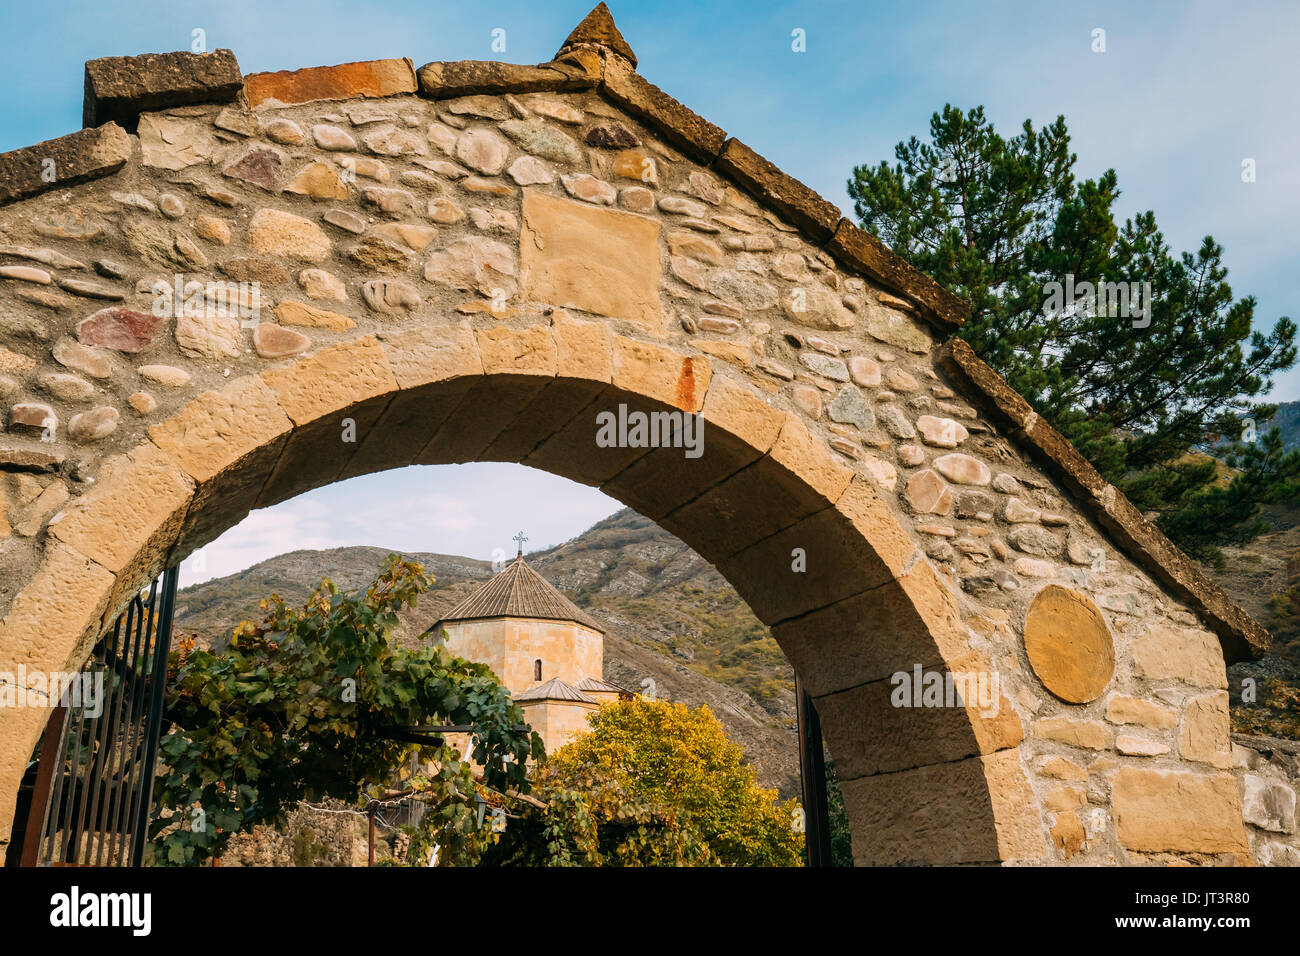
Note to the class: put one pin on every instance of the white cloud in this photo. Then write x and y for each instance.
(469, 510)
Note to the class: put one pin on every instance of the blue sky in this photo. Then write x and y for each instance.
(1184, 92)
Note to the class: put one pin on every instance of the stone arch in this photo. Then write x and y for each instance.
(868, 605)
(460, 263)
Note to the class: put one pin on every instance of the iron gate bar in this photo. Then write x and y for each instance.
(96, 776)
(139, 692)
(95, 779)
(153, 727)
(812, 777)
(118, 761)
(118, 769)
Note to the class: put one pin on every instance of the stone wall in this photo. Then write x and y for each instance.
(484, 242)
(558, 721)
(510, 647)
(1270, 777)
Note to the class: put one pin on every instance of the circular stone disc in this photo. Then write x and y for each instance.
(1069, 646)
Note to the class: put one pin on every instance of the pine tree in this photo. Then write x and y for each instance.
(1140, 392)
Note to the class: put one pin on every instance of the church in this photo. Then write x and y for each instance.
(544, 649)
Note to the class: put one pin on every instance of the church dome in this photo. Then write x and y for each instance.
(521, 592)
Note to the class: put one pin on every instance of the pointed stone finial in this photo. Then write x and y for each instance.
(597, 29)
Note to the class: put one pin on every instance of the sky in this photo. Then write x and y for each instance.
(1183, 94)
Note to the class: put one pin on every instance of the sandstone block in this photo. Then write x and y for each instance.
(658, 372)
(113, 524)
(332, 379)
(289, 312)
(1145, 713)
(1159, 811)
(601, 261)
(1205, 730)
(432, 354)
(1191, 655)
(217, 429)
(283, 233)
(1076, 733)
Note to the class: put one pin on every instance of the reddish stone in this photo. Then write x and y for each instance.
(258, 166)
(612, 136)
(118, 328)
(927, 493)
(32, 414)
(343, 82)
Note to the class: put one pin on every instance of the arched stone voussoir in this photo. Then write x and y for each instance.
(976, 810)
(737, 425)
(331, 397)
(50, 627)
(134, 508)
(797, 477)
(228, 441)
(920, 716)
(59, 611)
(911, 620)
(130, 519)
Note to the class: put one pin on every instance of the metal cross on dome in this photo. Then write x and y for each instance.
(521, 538)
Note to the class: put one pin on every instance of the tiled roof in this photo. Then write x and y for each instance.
(555, 689)
(598, 686)
(518, 591)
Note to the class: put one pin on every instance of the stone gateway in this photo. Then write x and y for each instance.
(472, 262)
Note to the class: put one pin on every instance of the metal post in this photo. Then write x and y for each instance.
(153, 727)
(812, 778)
(370, 812)
(40, 805)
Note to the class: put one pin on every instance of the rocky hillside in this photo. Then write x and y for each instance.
(670, 618)
(1264, 578)
(1288, 420)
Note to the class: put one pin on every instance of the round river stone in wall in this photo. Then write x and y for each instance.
(1069, 645)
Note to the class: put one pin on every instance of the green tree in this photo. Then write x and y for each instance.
(574, 815)
(670, 755)
(652, 783)
(998, 220)
(841, 835)
(300, 706)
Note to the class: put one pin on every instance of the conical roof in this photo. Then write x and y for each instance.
(518, 591)
(554, 689)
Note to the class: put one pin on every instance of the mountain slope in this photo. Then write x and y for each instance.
(670, 616)
(671, 619)
(1288, 420)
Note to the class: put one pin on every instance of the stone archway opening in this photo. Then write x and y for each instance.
(861, 605)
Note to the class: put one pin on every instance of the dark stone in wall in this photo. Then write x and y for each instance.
(120, 88)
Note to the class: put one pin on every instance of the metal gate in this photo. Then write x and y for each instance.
(93, 788)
